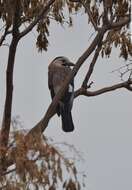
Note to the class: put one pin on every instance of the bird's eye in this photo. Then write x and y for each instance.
(64, 64)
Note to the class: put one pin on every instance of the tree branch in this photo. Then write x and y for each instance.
(42, 14)
(122, 22)
(8, 172)
(91, 67)
(4, 35)
(85, 92)
(88, 12)
(89, 15)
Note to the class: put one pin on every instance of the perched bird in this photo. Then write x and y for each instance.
(58, 70)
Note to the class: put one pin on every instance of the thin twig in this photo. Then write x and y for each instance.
(8, 172)
(4, 35)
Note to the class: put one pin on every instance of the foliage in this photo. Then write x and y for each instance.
(119, 39)
(29, 10)
(38, 165)
(120, 36)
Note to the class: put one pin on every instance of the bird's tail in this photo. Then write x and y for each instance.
(67, 122)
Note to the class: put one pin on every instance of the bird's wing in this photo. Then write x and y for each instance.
(51, 74)
(72, 94)
(50, 83)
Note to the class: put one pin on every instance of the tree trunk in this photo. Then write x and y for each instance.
(5, 130)
(9, 93)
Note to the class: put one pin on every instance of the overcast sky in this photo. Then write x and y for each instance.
(103, 129)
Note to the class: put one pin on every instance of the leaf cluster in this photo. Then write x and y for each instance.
(38, 164)
(61, 12)
(115, 11)
(118, 38)
(29, 10)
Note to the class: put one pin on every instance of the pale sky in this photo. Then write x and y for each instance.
(103, 130)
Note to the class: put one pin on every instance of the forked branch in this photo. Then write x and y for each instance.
(83, 91)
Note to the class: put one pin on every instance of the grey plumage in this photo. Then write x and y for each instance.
(58, 70)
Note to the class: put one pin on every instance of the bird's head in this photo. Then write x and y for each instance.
(62, 62)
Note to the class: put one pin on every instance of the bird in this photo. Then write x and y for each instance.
(58, 70)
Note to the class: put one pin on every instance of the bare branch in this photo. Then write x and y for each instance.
(91, 67)
(124, 70)
(42, 14)
(85, 92)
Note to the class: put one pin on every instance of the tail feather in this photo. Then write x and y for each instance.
(67, 122)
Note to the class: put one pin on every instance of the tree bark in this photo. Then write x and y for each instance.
(9, 79)
(9, 94)
(5, 129)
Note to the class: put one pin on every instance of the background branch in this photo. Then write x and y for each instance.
(85, 92)
(87, 8)
(91, 67)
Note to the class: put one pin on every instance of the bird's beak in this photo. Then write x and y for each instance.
(70, 64)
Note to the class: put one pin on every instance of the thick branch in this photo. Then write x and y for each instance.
(85, 92)
(42, 14)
